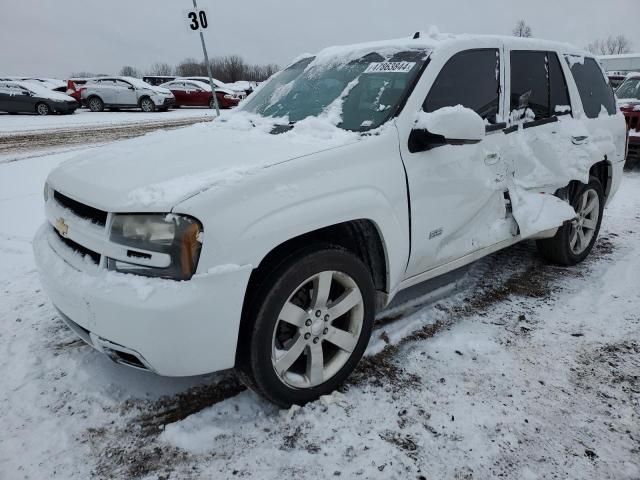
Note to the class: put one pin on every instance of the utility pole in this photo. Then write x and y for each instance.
(206, 60)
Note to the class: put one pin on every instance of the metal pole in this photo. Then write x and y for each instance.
(206, 60)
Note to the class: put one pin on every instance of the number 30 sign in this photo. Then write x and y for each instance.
(197, 20)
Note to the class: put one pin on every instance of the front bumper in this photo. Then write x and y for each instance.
(164, 101)
(171, 328)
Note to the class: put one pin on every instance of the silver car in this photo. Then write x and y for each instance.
(125, 92)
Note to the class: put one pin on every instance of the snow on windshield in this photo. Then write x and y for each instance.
(354, 89)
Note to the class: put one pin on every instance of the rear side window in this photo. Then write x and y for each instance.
(529, 85)
(595, 92)
(538, 86)
(471, 79)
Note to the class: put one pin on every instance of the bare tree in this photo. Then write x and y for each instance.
(228, 69)
(610, 45)
(190, 67)
(522, 29)
(160, 69)
(129, 71)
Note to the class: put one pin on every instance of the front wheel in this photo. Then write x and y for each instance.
(311, 325)
(575, 239)
(147, 105)
(43, 109)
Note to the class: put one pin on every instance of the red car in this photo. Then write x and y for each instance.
(192, 93)
(629, 101)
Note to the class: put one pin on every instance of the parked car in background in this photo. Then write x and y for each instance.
(74, 90)
(221, 86)
(271, 253)
(30, 97)
(157, 80)
(125, 92)
(616, 79)
(192, 93)
(629, 102)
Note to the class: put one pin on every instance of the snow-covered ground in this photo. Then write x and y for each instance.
(85, 118)
(527, 371)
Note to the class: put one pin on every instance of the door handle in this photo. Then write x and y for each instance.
(579, 140)
(491, 159)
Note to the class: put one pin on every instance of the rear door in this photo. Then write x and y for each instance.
(457, 191)
(177, 88)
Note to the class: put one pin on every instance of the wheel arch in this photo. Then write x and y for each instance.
(603, 171)
(362, 237)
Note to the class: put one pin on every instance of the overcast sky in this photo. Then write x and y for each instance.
(58, 37)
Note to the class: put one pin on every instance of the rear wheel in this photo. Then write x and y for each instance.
(147, 105)
(311, 325)
(575, 239)
(95, 104)
(43, 109)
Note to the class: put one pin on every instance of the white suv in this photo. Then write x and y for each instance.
(125, 92)
(266, 240)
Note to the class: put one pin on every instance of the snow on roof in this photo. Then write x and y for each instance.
(433, 40)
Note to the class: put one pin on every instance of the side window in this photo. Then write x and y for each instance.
(560, 103)
(529, 86)
(471, 79)
(595, 92)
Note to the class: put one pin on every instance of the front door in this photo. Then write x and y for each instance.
(457, 192)
(124, 93)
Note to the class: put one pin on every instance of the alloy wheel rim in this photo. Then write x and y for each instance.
(146, 105)
(583, 227)
(317, 329)
(95, 104)
(42, 109)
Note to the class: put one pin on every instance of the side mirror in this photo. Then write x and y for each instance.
(447, 126)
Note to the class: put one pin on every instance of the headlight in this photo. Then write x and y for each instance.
(230, 97)
(175, 235)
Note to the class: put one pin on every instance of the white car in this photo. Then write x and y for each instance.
(125, 92)
(226, 88)
(267, 239)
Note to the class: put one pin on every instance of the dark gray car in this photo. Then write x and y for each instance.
(26, 97)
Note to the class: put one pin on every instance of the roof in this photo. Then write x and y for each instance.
(433, 40)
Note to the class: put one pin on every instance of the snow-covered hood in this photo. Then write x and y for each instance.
(153, 88)
(159, 170)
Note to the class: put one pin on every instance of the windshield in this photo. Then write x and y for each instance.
(629, 89)
(355, 94)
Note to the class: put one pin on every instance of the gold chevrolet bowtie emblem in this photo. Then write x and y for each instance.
(62, 227)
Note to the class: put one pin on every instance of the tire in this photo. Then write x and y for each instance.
(575, 239)
(95, 104)
(43, 109)
(147, 105)
(163, 109)
(212, 104)
(298, 360)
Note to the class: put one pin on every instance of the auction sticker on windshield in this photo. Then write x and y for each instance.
(390, 67)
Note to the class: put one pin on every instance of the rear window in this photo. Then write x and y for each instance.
(594, 90)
